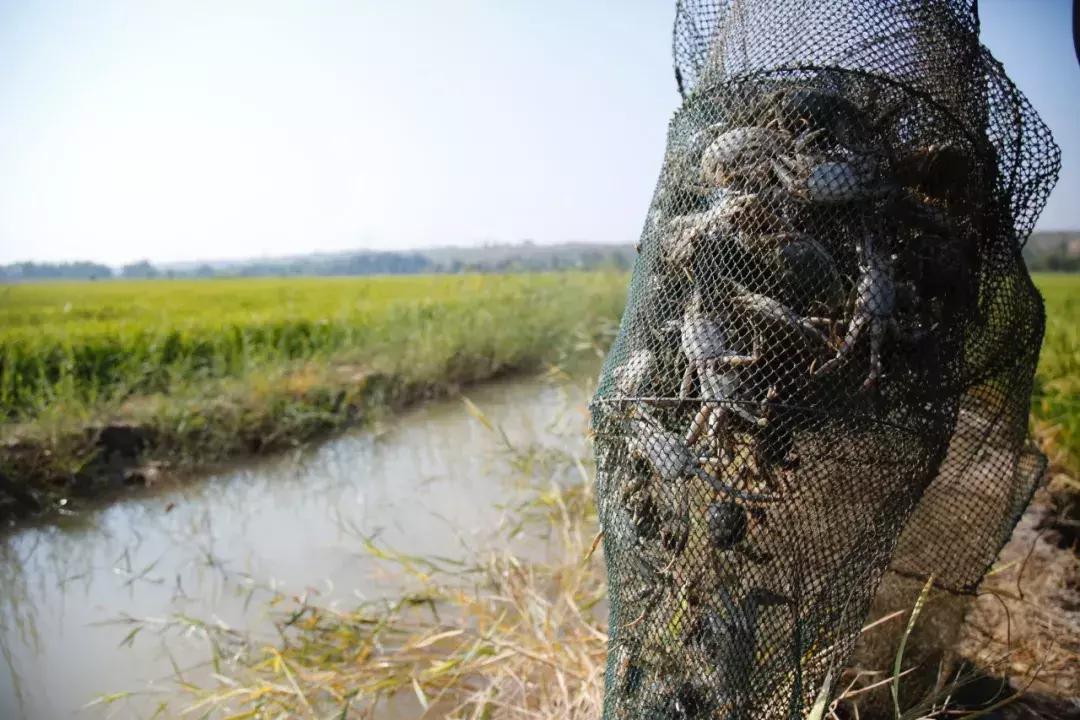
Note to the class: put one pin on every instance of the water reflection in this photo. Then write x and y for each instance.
(430, 482)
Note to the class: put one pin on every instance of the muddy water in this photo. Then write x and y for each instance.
(427, 482)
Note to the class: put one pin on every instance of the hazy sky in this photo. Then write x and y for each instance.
(184, 130)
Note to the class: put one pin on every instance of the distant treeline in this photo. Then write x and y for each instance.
(1057, 251)
(54, 271)
(1053, 251)
(525, 257)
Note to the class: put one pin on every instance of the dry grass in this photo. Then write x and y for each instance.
(518, 633)
(504, 638)
(1030, 606)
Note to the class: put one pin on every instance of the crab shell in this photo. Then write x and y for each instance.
(728, 524)
(741, 154)
(633, 375)
(876, 291)
(717, 385)
(686, 232)
(733, 212)
(805, 270)
(828, 182)
(702, 337)
(779, 317)
(753, 213)
(939, 170)
(664, 451)
(799, 106)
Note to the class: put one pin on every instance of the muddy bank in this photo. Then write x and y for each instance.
(157, 439)
(1015, 642)
(1028, 610)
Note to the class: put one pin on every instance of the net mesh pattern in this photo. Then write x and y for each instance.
(825, 363)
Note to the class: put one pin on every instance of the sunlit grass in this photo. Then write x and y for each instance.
(209, 369)
(1056, 406)
(81, 345)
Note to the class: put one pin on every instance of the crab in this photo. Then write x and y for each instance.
(664, 510)
(733, 212)
(750, 213)
(875, 300)
(717, 366)
(747, 158)
(686, 233)
(671, 458)
(728, 634)
(824, 181)
(766, 310)
(801, 108)
(941, 170)
(798, 107)
(705, 342)
(795, 266)
(739, 156)
(634, 374)
(728, 524)
(657, 515)
(657, 576)
(710, 350)
(710, 358)
(804, 271)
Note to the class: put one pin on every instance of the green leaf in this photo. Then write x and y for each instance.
(898, 662)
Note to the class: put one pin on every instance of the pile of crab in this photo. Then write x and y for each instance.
(810, 254)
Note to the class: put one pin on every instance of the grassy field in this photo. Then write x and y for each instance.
(205, 369)
(189, 371)
(1056, 406)
(79, 344)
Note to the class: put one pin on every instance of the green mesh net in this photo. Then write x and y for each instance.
(826, 358)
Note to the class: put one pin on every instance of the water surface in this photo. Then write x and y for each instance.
(430, 481)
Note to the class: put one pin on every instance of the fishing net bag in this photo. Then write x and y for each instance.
(826, 358)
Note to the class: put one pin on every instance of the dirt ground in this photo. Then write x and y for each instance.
(1019, 634)
(1027, 614)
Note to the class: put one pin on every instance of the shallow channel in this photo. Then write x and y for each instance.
(429, 481)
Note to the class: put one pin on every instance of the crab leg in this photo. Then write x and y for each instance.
(733, 360)
(725, 489)
(877, 339)
(854, 331)
(700, 421)
(687, 381)
(874, 303)
(717, 389)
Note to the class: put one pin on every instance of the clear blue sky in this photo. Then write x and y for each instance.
(184, 129)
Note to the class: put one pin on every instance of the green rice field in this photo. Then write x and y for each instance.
(1056, 406)
(80, 344)
(210, 368)
(185, 372)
